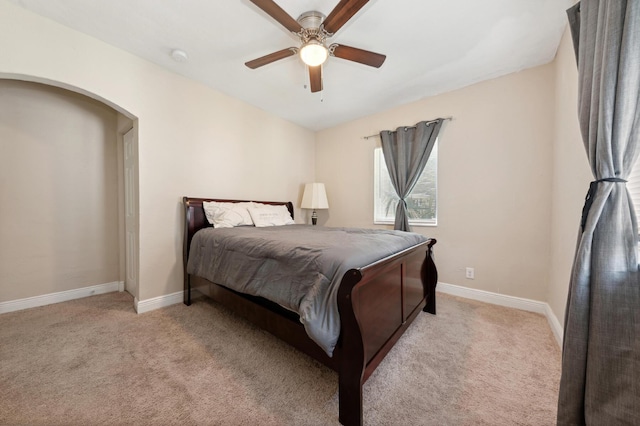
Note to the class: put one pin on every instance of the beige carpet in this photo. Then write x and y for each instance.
(94, 361)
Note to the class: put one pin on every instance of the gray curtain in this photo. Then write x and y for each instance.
(406, 152)
(600, 381)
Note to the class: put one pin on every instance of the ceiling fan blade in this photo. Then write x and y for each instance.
(315, 78)
(341, 14)
(357, 55)
(271, 57)
(276, 12)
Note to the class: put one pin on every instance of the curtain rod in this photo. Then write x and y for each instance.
(409, 127)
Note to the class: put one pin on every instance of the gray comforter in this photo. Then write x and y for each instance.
(297, 266)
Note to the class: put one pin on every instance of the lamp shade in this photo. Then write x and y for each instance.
(314, 197)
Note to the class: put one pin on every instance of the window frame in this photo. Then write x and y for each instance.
(379, 157)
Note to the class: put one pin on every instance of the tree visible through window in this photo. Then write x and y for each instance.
(421, 203)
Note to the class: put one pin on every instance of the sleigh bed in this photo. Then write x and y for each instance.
(376, 303)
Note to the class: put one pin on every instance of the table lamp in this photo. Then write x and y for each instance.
(314, 197)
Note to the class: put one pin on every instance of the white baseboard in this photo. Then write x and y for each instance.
(142, 306)
(508, 301)
(558, 330)
(147, 305)
(154, 303)
(455, 290)
(63, 296)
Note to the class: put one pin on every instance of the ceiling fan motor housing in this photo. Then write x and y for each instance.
(311, 19)
(311, 23)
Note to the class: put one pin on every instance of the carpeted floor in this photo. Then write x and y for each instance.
(94, 361)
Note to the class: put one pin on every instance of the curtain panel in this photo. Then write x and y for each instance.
(406, 152)
(600, 381)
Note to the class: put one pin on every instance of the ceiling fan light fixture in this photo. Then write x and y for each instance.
(314, 53)
(314, 29)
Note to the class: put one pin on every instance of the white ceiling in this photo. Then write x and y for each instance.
(432, 46)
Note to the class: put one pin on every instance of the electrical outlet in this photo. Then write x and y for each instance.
(470, 273)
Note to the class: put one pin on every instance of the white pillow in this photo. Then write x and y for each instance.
(270, 215)
(227, 215)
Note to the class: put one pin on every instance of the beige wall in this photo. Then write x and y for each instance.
(192, 140)
(512, 177)
(512, 171)
(494, 179)
(571, 177)
(59, 191)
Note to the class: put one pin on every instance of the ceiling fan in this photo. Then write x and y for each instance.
(313, 29)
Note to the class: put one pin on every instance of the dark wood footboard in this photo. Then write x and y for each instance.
(377, 303)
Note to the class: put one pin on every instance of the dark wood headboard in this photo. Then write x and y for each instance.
(195, 220)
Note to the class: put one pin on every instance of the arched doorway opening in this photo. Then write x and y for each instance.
(62, 239)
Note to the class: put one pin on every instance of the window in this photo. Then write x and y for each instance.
(421, 203)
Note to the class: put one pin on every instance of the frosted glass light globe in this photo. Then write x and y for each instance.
(313, 53)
